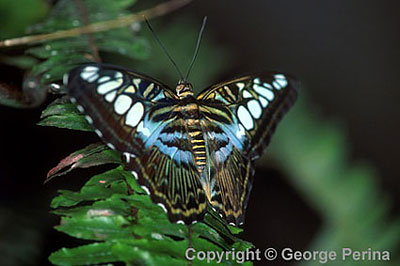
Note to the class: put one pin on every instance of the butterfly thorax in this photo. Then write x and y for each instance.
(184, 90)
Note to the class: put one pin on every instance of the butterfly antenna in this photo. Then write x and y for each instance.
(163, 47)
(196, 51)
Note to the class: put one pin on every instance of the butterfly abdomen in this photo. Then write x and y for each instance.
(198, 147)
(190, 112)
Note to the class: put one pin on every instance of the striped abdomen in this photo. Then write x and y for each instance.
(198, 147)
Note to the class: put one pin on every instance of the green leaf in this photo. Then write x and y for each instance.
(84, 255)
(63, 114)
(91, 227)
(111, 214)
(70, 121)
(101, 186)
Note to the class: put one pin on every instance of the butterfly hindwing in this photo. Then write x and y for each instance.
(230, 175)
(240, 116)
(169, 173)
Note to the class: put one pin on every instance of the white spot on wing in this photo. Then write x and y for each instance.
(136, 82)
(240, 134)
(180, 222)
(268, 86)
(247, 94)
(233, 224)
(80, 108)
(255, 108)
(122, 104)
(98, 132)
(127, 156)
(111, 96)
(88, 73)
(245, 117)
(55, 86)
(104, 79)
(163, 207)
(108, 86)
(118, 75)
(257, 80)
(135, 175)
(91, 69)
(276, 84)
(264, 91)
(135, 114)
(144, 130)
(146, 190)
(89, 119)
(263, 101)
(240, 85)
(281, 80)
(92, 78)
(111, 146)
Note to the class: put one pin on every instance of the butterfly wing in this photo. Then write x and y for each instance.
(169, 173)
(229, 175)
(127, 109)
(239, 117)
(136, 115)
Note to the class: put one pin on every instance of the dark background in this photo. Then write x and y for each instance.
(346, 53)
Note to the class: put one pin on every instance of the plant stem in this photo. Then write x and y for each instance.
(156, 11)
(85, 19)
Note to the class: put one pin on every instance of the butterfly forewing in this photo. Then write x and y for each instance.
(240, 116)
(121, 105)
(250, 107)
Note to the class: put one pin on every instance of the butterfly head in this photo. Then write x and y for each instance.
(184, 89)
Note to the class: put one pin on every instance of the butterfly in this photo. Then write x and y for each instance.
(186, 152)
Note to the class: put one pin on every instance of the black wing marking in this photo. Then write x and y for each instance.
(239, 118)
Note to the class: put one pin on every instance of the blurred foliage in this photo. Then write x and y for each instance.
(315, 155)
(179, 35)
(61, 55)
(15, 19)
